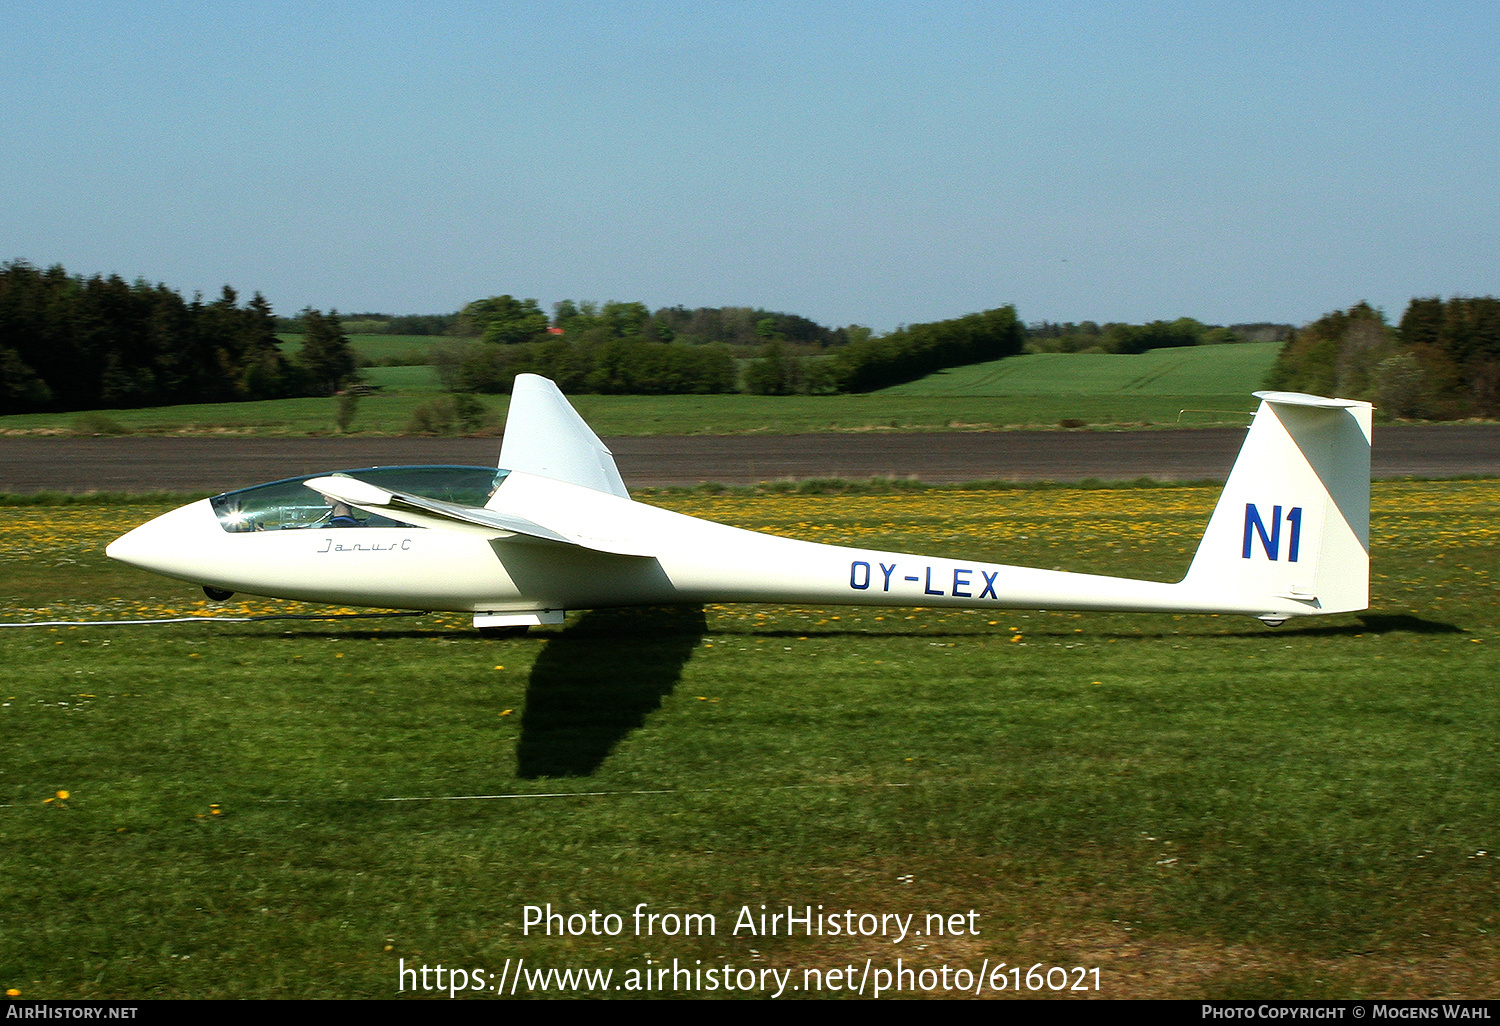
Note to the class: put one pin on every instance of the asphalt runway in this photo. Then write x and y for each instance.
(137, 463)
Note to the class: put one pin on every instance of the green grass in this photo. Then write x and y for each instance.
(389, 412)
(1212, 384)
(1231, 370)
(1197, 805)
(374, 347)
(403, 379)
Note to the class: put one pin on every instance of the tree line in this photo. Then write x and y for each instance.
(74, 343)
(70, 343)
(379, 324)
(1114, 337)
(731, 325)
(1441, 362)
(625, 348)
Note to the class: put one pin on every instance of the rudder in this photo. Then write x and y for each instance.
(1293, 522)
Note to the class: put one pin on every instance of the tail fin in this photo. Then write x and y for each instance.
(545, 436)
(1292, 526)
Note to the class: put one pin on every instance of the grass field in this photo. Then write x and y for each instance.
(612, 415)
(1230, 370)
(373, 347)
(1212, 384)
(403, 379)
(1196, 806)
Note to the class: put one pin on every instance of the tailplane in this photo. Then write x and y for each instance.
(1292, 526)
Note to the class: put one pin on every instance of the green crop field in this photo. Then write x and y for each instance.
(1191, 806)
(1197, 387)
(1229, 370)
(390, 412)
(421, 378)
(374, 347)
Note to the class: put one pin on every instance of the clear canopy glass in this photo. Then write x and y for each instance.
(290, 505)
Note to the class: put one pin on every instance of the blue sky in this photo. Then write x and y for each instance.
(853, 162)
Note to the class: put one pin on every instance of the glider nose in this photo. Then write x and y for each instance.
(170, 544)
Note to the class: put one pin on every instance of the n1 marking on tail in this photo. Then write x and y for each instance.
(1271, 541)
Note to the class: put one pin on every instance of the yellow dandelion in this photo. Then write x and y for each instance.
(62, 796)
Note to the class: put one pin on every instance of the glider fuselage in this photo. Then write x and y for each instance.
(409, 567)
(558, 530)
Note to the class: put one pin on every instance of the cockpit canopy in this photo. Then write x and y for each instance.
(290, 505)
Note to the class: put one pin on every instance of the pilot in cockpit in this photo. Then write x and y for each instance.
(340, 514)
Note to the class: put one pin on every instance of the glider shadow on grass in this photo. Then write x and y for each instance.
(1369, 623)
(597, 681)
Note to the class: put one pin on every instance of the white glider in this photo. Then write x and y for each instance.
(554, 529)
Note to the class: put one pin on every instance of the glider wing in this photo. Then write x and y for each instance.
(450, 516)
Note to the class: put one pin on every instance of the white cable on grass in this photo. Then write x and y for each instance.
(207, 619)
(597, 794)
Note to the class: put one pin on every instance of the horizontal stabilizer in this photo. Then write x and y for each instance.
(450, 516)
(1304, 399)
